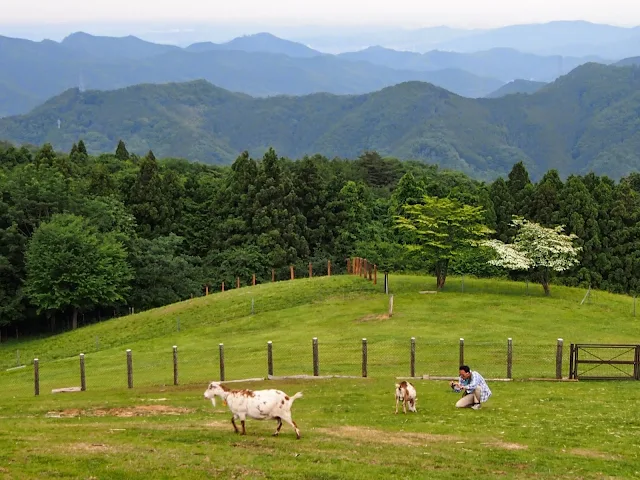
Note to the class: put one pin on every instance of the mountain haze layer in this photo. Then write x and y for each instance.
(584, 121)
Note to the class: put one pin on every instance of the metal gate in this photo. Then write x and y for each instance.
(604, 362)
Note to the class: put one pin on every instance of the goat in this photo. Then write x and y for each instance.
(256, 404)
(406, 393)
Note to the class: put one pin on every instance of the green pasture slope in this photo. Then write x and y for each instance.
(158, 430)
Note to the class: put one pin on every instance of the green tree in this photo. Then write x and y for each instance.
(121, 151)
(536, 248)
(70, 265)
(443, 228)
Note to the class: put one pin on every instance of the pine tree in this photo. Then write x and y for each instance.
(121, 151)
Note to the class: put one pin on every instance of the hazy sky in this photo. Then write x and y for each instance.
(463, 13)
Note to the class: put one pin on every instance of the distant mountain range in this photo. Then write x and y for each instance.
(566, 38)
(517, 86)
(584, 121)
(259, 65)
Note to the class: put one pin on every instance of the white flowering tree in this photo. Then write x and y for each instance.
(536, 248)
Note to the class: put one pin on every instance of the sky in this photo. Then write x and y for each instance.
(409, 13)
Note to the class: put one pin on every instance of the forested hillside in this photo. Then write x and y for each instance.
(584, 121)
(83, 237)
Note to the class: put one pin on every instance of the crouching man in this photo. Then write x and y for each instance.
(476, 390)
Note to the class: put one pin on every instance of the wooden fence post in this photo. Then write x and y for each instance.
(254, 279)
(292, 273)
(221, 348)
(223, 286)
(375, 274)
(509, 357)
(390, 306)
(316, 360)
(462, 351)
(129, 368)
(206, 290)
(237, 282)
(83, 382)
(270, 357)
(364, 357)
(175, 365)
(386, 283)
(36, 376)
(328, 268)
(559, 358)
(310, 270)
(413, 356)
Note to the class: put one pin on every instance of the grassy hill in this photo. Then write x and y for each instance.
(582, 122)
(340, 311)
(348, 426)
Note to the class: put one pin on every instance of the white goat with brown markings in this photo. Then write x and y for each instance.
(406, 393)
(256, 404)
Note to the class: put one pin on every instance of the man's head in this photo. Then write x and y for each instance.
(465, 372)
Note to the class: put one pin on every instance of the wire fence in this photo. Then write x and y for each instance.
(202, 363)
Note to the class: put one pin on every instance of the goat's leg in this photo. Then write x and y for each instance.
(244, 432)
(279, 427)
(397, 400)
(233, 421)
(287, 418)
(404, 405)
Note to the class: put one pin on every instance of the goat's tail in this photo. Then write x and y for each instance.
(297, 395)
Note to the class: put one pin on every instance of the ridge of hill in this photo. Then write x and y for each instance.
(584, 121)
(517, 86)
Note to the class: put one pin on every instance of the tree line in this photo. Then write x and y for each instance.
(83, 238)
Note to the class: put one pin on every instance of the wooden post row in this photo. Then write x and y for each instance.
(129, 369)
(270, 357)
(36, 376)
(328, 268)
(175, 365)
(509, 357)
(316, 360)
(221, 349)
(364, 357)
(83, 380)
(559, 358)
(413, 357)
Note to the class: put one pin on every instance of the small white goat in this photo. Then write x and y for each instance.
(406, 393)
(256, 404)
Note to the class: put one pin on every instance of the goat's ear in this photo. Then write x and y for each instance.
(397, 385)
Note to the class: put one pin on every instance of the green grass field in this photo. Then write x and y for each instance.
(158, 430)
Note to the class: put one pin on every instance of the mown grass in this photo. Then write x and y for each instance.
(349, 430)
(528, 429)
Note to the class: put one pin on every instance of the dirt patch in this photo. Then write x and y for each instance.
(585, 452)
(137, 411)
(373, 318)
(381, 436)
(91, 447)
(507, 445)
